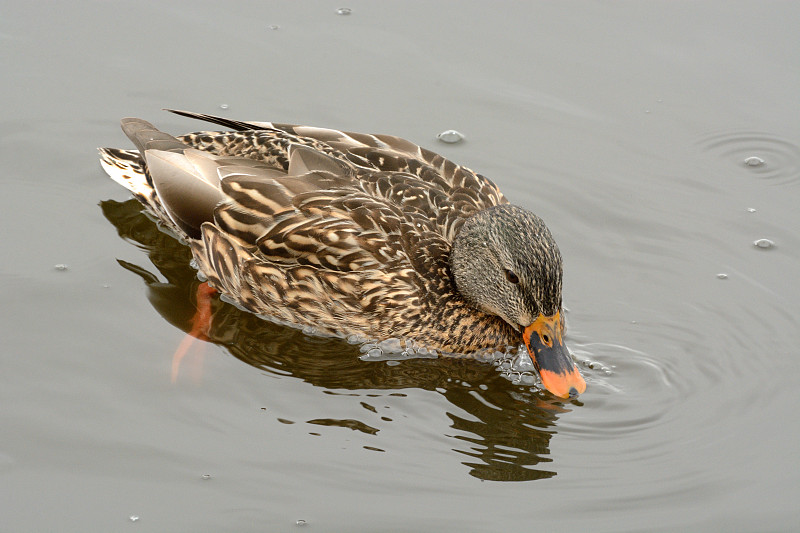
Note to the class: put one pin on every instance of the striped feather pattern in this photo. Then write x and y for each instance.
(357, 246)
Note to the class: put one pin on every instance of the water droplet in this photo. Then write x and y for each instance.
(751, 210)
(206, 476)
(133, 518)
(646, 110)
(764, 243)
(754, 161)
(722, 275)
(300, 523)
(273, 27)
(344, 11)
(223, 106)
(392, 345)
(61, 266)
(450, 136)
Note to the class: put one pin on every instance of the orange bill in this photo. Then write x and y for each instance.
(545, 342)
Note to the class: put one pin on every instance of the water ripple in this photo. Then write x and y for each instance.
(634, 389)
(761, 154)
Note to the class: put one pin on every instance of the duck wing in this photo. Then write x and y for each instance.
(467, 191)
(332, 247)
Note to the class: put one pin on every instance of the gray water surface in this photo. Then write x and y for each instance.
(626, 126)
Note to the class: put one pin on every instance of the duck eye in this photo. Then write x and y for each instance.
(511, 277)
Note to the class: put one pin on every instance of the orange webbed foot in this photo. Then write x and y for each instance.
(201, 325)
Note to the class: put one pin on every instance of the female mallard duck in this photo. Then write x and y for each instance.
(359, 234)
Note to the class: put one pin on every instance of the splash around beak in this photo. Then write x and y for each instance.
(544, 339)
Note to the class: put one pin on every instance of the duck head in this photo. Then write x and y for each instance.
(505, 262)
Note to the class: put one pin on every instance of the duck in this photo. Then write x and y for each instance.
(355, 235)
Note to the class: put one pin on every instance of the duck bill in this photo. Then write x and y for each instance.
(545, 342)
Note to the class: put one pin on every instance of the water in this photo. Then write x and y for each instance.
(777, 157)
(689, 421)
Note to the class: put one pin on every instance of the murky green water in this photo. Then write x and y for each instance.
(625, 126)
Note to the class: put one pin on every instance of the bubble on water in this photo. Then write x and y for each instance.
(751, 210)
(597, 365)
(760, 154)
(224, 106)
(395, 349)
(450, 136)
(522, 363)
(300, 523)
(754, 161)
(391, 346)
(273, 27)
(722, 275)
(355, 339)
(763, 243)
(133, 518)
(374, 353)
(311, 331)
(61, 267)
(206, 477)
(344, 11)
(515, 365)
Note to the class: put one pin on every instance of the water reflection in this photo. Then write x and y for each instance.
(505, 436)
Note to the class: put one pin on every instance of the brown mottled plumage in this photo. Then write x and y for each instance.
(347, 233)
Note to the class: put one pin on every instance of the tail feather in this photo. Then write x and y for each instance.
(147, 137)
(127, 168)
(237, 125)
